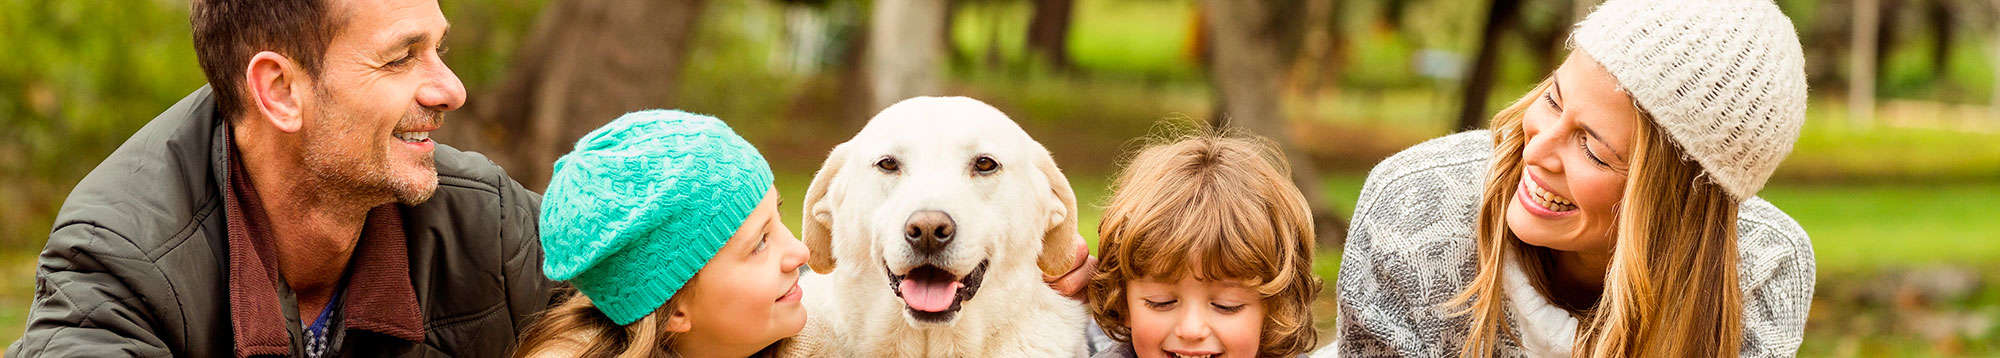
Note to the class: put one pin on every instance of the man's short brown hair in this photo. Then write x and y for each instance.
(228, 32)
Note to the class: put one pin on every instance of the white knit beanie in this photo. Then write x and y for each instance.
(1725, 78)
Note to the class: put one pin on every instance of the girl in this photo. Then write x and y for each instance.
(1206, 251)
(667, 225)
(1609, 212)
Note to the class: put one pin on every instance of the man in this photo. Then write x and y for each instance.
(296, 206)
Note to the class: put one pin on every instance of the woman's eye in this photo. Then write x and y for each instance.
(760, 244)
(888, 165)
(1551, 99)
(1583, 143)
(1161, 305)
(1226, 309)
(985, 165)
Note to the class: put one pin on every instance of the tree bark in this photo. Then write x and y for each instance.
(1247, 69)
(1861, 62)
(1479, 83)
(904, 50)
(572, 76)
(1048, 32)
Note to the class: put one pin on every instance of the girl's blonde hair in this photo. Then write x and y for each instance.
(1216, 207)
(1670, 290)
(575, 328)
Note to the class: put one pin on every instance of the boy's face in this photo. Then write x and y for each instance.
(1187, 317)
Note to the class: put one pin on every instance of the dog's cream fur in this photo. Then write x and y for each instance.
(1021, 218)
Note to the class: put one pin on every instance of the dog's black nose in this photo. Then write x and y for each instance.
(928, 231)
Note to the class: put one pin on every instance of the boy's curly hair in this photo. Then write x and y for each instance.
(1217, 206)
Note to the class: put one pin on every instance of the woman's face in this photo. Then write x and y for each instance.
(1193, 318)
(748, 294)
(1574, 165)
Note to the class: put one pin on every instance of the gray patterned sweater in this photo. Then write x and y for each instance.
(1410, 248)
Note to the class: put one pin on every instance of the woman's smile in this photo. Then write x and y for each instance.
(1541, 201)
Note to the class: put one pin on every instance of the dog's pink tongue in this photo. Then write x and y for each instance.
(928, 296)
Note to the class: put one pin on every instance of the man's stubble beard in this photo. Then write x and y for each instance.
(363, 173)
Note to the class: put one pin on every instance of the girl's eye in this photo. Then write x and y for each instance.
(1161, 305)
(1551, 99)
(1227, 309)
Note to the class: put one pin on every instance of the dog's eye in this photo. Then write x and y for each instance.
(888, 164)
(985, 165)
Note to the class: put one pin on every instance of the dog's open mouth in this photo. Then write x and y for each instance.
(933, 294)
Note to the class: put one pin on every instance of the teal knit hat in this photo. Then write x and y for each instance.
(643, 203)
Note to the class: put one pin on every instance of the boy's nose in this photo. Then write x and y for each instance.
(1193, 326)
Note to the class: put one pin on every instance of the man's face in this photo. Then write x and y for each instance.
(382, 90)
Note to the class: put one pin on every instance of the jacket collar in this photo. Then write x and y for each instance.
(378, 295)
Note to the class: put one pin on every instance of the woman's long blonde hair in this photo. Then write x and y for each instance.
(1670, 289)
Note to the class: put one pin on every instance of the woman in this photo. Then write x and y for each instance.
(1610, 212)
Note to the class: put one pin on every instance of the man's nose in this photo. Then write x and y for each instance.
(442, 92)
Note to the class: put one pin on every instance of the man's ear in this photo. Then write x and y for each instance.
(678, 321)
(819, 211)
(277, 90)
(1061, 238)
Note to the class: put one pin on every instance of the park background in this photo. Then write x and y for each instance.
(1896, 175)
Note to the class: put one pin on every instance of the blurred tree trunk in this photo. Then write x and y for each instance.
(1247, 67)
(1861, 62)
(904, 50)
(1479, 83)
(585, 63)
(1942, 29)
(1996, 56)
(1048, 32)
(1322, 50)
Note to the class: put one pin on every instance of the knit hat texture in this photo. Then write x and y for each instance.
(642, 204)
(1725, 78)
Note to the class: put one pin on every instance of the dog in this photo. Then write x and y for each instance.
(931, 231)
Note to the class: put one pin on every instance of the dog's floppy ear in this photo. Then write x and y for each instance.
(818, 220)
(1056, 257)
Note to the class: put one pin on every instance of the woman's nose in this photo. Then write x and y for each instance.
(1543, 144)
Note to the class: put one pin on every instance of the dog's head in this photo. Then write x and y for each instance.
(937, 191)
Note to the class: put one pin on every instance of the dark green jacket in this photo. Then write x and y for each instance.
(138, 261)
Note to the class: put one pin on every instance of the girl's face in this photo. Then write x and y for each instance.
(748, 295)
(1579, 137)
(1193, 318)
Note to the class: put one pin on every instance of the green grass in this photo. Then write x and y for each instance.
(1874, 226)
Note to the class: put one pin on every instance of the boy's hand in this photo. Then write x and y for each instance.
(1071, 284)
